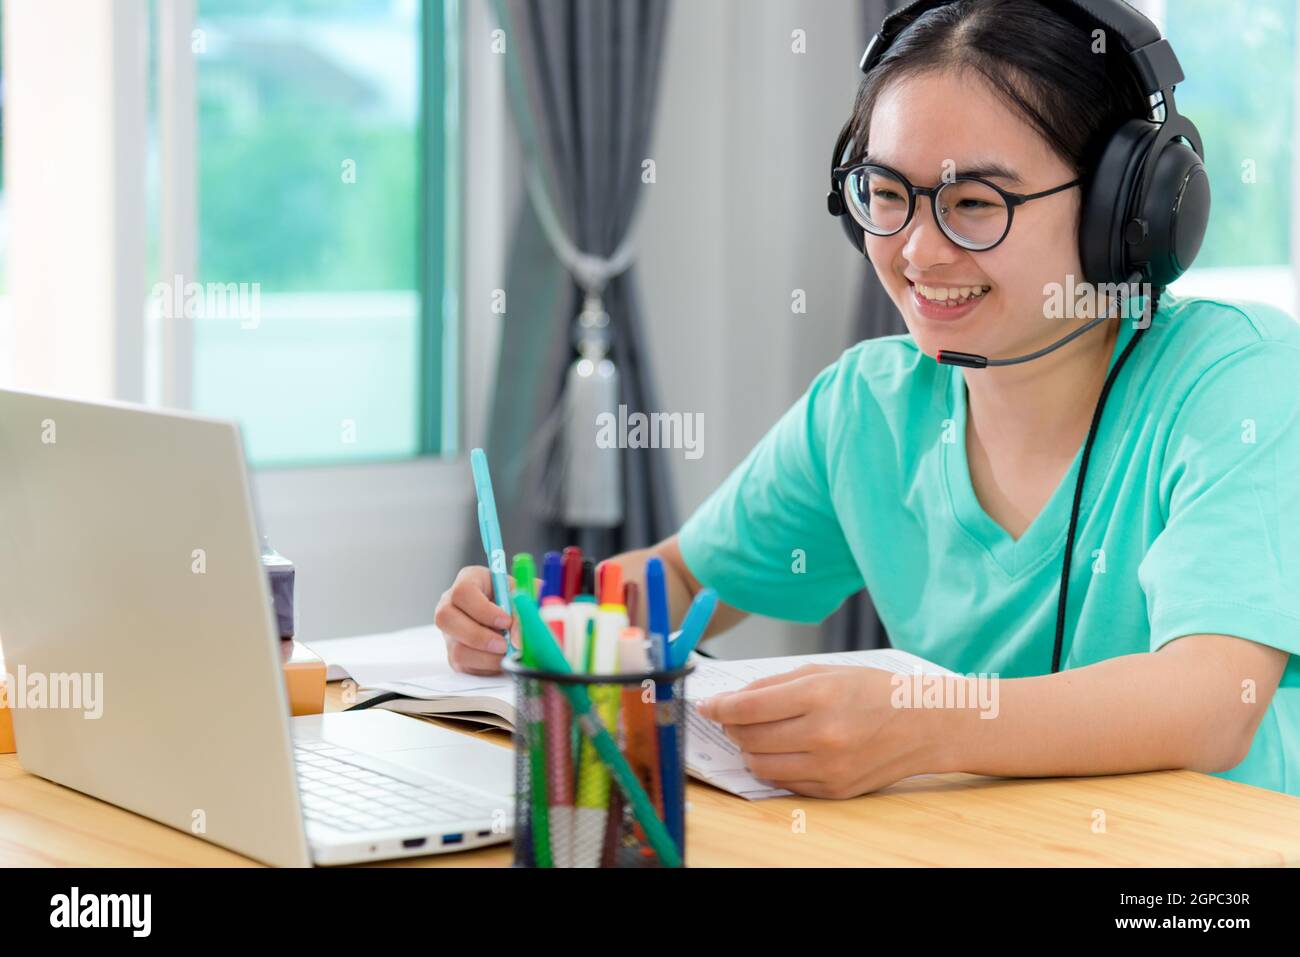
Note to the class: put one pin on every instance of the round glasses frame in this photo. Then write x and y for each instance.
(841, 176)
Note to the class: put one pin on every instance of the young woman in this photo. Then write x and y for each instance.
(947, 492)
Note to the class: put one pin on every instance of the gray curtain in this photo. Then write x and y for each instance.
(855, 624)
(582, 77)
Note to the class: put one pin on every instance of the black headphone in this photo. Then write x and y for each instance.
(1147, 200)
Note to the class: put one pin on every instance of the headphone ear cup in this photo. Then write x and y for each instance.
(835, 201)
(855, 233)
(1108, 200)
(1177, 209)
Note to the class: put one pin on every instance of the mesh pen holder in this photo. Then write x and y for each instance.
(572, 808)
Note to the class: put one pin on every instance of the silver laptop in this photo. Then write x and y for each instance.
(136, 621)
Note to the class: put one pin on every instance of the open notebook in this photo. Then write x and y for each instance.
(413, 664)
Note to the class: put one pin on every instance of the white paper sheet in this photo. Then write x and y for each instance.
(393, 656)
(453, 685)
(412, 662)
(715, 758)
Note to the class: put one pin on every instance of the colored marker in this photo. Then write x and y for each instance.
(642, 744)
(594, 802)
(693, 627)
(551, 573)
(631, 601)
(613, 829)
(587, 594)
(524, 573)
(572, 573)
(611, 618)
(670, 767)
(551, 658)
(577, 648)
(656, 611)
(582, 612)
(558, 718)
(537, 795)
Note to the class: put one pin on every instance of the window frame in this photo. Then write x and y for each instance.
(443, 217)
(170, 346)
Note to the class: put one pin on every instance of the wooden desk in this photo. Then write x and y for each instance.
(1167, 818)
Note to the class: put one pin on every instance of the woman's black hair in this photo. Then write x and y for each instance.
(1047, 67)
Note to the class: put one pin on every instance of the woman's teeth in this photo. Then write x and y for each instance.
(951, 295)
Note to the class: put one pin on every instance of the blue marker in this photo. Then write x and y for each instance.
(670, 769)
(657, 611)
(490, 528)
(552, 575)
(697, 619)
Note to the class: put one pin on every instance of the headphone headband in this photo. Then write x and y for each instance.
(1154, 59)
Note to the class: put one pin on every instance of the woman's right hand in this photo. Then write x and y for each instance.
(472, 623)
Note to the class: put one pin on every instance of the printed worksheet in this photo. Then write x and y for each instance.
(713, 757)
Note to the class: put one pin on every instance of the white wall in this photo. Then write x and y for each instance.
(74, 82)
(736, 222)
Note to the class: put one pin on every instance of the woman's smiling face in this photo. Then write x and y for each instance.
(937, 122)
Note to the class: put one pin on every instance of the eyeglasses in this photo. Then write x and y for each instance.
(972, 212)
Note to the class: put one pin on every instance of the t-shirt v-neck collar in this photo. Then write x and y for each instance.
(1043, 540)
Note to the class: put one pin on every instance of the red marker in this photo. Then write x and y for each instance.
(572, 573)
(558, 718)
(631, 594)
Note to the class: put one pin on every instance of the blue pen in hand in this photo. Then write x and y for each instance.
(490, 528)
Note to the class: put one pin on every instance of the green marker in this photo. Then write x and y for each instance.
(525, 575)
(524, 571)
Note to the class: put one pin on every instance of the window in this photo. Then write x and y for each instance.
(1240, 91)
(327, 243)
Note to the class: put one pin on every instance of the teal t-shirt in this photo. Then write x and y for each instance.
(1189, 522)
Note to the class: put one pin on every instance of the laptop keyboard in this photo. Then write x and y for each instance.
(345, 796)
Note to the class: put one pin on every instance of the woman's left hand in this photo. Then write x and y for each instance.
(827, 731)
